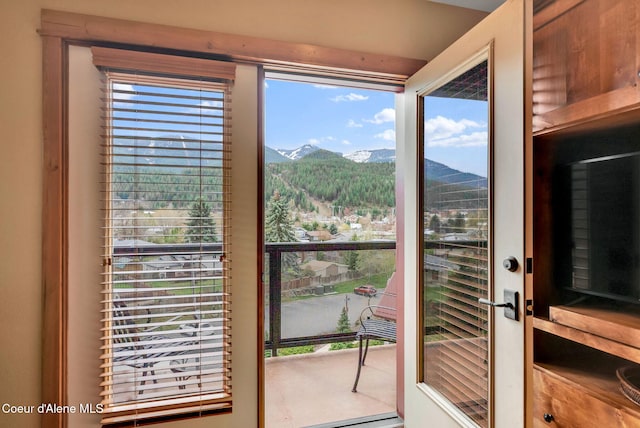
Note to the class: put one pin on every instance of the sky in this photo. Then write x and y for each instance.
(334, 118)
(346, 120)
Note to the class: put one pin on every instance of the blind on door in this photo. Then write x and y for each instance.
(166, 290)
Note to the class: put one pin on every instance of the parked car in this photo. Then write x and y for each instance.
(366, 290)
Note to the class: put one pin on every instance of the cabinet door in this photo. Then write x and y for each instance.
(585, 60)
(465, 122)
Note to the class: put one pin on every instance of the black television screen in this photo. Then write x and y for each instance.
(605, 226)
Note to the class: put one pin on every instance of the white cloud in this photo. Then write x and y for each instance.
(384, 116)
(123, 87)
(322, 86)
(353, 124)
(475, 139)
(444, 132)
(346, 142)
(387, 135)
(211, 104)
(318, 141)
(207, 107)
(350, 97)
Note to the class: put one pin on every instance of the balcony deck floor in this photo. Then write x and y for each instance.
(310, 389)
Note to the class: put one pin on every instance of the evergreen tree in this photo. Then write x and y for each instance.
(351, 258)
(333, 229)
(434, 223)
(344, 325)
(279, 227)
(200, 226)
(458, 223)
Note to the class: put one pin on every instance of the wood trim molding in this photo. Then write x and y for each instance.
(122, 59)
(260, 145)
(54, 227)
(87, 28)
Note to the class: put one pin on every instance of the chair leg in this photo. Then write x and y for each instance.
(144, 374)
(147, 368)
(355, 384)
(366, 350)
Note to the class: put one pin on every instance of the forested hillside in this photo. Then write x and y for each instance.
(330, 178)
(319, 178)
(155, 189)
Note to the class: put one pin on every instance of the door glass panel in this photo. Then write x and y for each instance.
(455, 252)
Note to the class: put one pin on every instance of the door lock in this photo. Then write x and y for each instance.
(510, 264)
(510, 305)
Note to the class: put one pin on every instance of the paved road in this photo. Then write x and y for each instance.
(319, 315)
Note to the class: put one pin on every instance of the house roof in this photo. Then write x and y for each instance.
(438, 264)
(316, 265)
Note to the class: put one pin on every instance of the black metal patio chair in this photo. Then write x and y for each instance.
(142, 347)
(377, 321)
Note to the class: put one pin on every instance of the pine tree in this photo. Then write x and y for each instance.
(200, 226)
(351, 258)
(434, 223)
(344, 326)
(279, 227)
(333, 229)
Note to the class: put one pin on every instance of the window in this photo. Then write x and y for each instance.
(61, 31)
(166, 332)
(456, 246)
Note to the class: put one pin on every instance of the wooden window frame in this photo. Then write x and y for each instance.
(191, 74)
(58, 31)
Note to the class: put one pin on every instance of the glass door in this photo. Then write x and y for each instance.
(464, 123)
(456, 244)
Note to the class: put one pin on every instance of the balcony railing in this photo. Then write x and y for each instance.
(276, 253)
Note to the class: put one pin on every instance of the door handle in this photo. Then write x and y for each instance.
(494, 304)
(510, 305)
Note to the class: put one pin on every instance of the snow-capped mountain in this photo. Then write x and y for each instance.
(436, 170)
(154, 151)
(360, 156)
(298, 153)
(272, 156)
(369, 156)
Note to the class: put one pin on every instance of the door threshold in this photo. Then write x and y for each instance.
(386, 420)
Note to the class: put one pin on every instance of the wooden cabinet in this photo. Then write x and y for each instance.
(567, 397)
(586, 111)
(586, 60)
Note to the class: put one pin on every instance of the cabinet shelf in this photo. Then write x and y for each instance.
(587, 116)
(591, 340)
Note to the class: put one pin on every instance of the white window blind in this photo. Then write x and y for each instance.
(456, 258)
(166, 323)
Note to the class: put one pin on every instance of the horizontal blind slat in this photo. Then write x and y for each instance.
(166, 317)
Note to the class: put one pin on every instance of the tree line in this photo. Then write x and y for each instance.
(157, 188)
(333, 179)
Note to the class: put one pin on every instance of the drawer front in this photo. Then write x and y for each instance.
(560, 404)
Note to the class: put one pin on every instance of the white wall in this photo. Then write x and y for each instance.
(84, 233)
